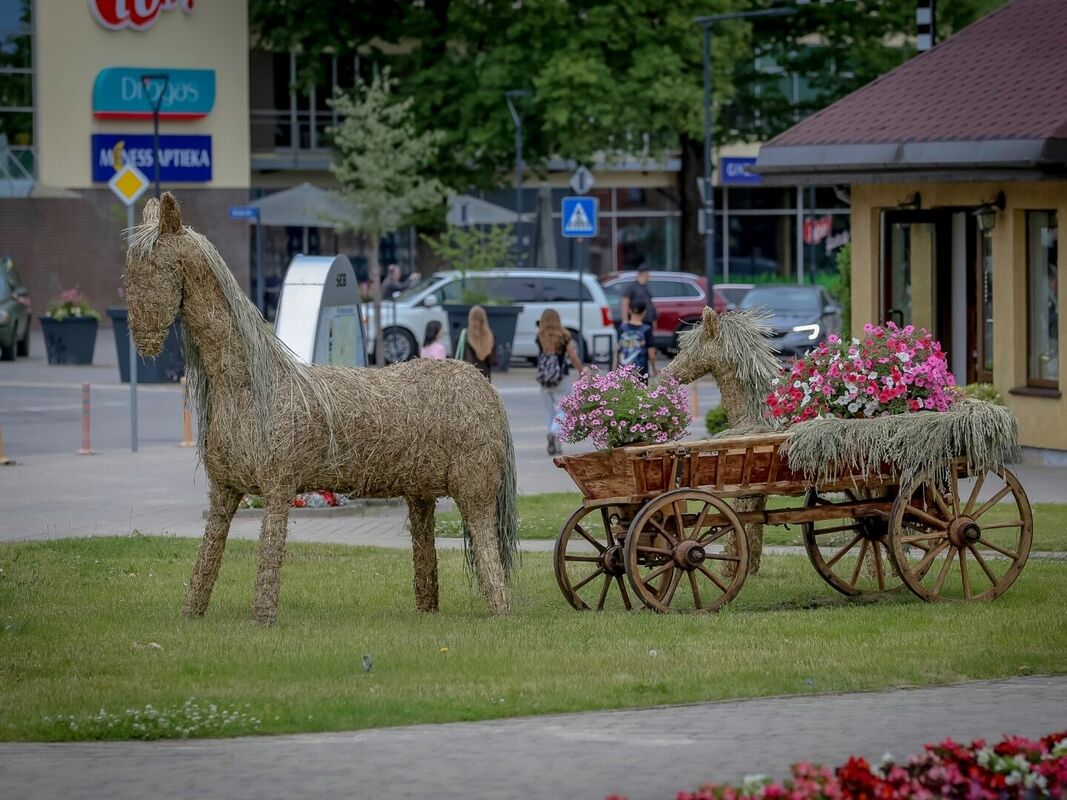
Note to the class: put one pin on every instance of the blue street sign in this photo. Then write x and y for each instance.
(183, 159)
(244, 212)
(579, 217)
(735, 171)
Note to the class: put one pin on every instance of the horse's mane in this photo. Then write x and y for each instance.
(271, 365)
(741, 340)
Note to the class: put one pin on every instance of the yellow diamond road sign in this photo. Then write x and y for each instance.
(129, 183)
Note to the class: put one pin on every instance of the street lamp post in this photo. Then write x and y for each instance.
(708, 194)
(517, 114)
(156, 102)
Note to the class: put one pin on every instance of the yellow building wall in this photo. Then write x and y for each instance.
(1042, 420)
(71, 47)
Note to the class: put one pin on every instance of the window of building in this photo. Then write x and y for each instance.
(1043, 346)
(16, 91)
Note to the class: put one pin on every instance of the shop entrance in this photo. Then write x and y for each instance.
(930, 280)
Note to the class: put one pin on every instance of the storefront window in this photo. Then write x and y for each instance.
(1042, 293)
(16, 89)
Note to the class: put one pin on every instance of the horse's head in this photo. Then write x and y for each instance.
(154, 275)
(698, 349)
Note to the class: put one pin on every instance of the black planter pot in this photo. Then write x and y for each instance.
(70, 341)
(502, 322)
(167, 367)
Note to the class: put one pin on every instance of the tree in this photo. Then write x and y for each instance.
(380, 161)
(472, 250)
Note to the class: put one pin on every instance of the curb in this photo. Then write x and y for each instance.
(357, 508)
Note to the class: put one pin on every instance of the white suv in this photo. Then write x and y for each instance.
(404, 317)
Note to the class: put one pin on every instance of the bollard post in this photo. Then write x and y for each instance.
(694, 400)
(187, 417)
(87, 448)
(4, 460)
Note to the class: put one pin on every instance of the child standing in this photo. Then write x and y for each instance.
(635, 342)
(431, 342)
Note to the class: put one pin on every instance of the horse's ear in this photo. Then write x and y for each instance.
(710, 322)
(170, 214)
(150, 215)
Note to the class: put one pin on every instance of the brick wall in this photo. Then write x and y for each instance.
(59, 243)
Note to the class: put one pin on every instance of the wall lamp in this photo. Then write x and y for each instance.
(987, 212)
(912, 203)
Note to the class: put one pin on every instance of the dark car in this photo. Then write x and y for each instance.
(801, 316)
(679, 297)
(14, 313)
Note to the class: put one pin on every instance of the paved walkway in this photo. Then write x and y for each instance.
(644, 754)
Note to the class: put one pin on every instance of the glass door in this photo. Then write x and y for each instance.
(910, 291)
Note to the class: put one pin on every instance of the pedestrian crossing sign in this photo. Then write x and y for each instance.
(579, 217)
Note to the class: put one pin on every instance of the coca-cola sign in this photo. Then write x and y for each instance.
(138, 15)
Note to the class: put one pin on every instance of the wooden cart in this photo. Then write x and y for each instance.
(659, 517)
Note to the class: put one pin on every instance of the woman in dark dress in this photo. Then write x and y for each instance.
(480, 346)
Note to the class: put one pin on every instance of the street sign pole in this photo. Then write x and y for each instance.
(157, 103)
(581, 291)
(133, 357)
(261, 290)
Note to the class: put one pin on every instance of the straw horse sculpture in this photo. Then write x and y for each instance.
(733, 347)
(272, 426)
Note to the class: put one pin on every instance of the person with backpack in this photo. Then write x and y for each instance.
(635, 342)
(555, 348)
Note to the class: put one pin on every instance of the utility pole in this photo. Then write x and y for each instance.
(156, 102)
(517, 113)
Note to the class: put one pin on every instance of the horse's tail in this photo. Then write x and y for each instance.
(507, 512)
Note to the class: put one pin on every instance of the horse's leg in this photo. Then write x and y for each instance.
(479, 514)
(271, 552)
(420, 517)
(224, 501)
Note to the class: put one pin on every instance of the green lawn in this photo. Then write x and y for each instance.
(542, 515)
(92, 646)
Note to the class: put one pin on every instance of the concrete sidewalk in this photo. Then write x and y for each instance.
(644, 754)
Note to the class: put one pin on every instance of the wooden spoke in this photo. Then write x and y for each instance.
(859, 564)
(603, 593)
(837, 556)
(679, 524)
(982, 563)
(975, 491)
(1018, 523)
(1003, 551)
(668, 595)
(879, 570)
(625, 594)
(670, 537)
(584, 581)
(922, 537)
(590, 559)
(713, 578)
(939, 501)
(720, 531)
(963, 574)
(660, 551)
(695, 588)
(837, 529)
(940, 580)
(955, 492)
(992, 501)
(722, 557)
(923, 566)
(662, 568)
(929, 519)
(585, 535)
(702, 517)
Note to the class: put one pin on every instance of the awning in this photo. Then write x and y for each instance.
(306, 206)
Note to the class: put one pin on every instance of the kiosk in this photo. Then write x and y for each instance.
(319, 316)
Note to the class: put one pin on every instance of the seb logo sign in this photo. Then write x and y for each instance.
(122, 93)
(137, 15)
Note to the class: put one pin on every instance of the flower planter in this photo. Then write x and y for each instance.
(502, 322)
(70, 341)
(167, 367)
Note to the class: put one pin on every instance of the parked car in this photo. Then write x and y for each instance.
(733, 292)
(14, 313)
(802, 316)
(404, 317)
(679, 298)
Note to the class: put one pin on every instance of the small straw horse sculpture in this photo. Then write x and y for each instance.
(733, 347)
(273, 426)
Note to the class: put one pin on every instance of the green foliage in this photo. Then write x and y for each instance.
(72, 305)
(983, 391)
(79, 616)
(473, 250)
(715, 420)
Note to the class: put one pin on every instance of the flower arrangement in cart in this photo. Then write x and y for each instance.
(891, 370)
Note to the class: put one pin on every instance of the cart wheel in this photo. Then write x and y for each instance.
(688, 538)
(588, 559)
(852, 555)
(961, 543)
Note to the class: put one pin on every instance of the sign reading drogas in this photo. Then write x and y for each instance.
(183, 159)
(119, 93)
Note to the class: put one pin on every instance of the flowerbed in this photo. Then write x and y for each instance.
(1014, 768)
(890, 371)
(617, 408)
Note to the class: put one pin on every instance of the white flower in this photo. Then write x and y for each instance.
(853, 407)
(903, 357)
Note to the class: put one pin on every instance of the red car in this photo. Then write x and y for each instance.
(679, 297)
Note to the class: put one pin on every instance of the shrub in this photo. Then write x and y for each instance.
(715, 421)
(72, 305)
(983, 391)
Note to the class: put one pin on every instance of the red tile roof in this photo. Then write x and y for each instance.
(1003, 78)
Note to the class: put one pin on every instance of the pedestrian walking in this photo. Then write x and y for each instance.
(555, 348)
(638, 290)
(635, 342)
(432, 347)
(394, 283)
(479, 346)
